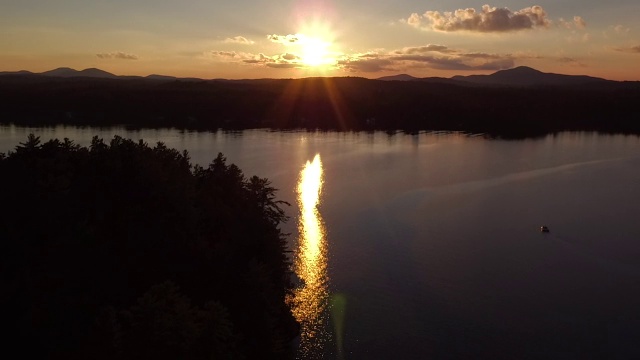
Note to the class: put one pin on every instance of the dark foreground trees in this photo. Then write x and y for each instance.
(122, 251)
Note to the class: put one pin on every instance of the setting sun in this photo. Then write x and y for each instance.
(317, 44)
(315, 52)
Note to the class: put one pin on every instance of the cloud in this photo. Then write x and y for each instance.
(633, 49)
(571, 61)
(414, 20)
(282, 65)
(620, 29)
(290, 57)
(436, 57)
(424, 49)
(282, 61)
(366, 63)
(459, 63)
(239, 40)
(231, 54)
(430, 56)
(488, 19)
(284, 39)
(117, 55)
(579, 22)
(228, 56)
(259, 59)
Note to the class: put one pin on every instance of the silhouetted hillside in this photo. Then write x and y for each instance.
(399, 77)
(91, 72)
(551, 103)
(525, 76)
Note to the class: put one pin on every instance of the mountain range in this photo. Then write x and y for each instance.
(521, 76)
(65, 72)
(518, 76)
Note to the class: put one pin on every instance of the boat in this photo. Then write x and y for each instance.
(544, 229)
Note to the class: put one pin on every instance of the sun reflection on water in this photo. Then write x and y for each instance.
(310, 300)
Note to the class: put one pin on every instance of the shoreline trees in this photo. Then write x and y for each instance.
(121, 250)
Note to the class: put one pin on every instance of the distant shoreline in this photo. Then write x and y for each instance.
(336, 104)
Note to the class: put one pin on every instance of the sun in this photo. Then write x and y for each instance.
(315, 52)
(317, 47)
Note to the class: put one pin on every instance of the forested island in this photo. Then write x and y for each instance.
(518, 102)
(122, 250)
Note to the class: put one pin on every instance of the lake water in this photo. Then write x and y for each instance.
(429, 245)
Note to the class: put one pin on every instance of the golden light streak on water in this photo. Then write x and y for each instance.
(310, 300)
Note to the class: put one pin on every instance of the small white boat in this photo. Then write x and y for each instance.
(544, 229)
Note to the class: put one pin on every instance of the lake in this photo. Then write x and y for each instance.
(428, 245)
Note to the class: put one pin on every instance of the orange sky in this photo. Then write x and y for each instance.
(370, 38)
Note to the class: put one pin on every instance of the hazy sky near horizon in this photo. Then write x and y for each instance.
(299, 38)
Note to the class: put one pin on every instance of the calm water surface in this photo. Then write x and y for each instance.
(428, 245)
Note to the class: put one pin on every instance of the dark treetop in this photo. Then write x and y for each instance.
(126, 251)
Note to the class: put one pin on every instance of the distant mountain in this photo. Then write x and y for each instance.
(399, 77)
(521, 76)
(21, 72)
(65, 72)
(170, 78)
(68, 72)
(160, 77)
(526, 76)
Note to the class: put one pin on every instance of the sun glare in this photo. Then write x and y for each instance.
(311, 299)
(317, 45)
(315, 52)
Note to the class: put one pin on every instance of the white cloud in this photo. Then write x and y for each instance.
(488, 19)
(577, 23)
(620, 29)
(239, 40)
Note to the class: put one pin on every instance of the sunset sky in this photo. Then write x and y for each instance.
(300, 38)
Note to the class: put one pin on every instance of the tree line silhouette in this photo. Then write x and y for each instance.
(121, 250)
(321, 103)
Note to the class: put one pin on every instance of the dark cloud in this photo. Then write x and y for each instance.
(366, 64)
(482, 56)
(283, 61)
(259, 59)
(458, 63)
(488, 19)
(430, 57)
(231, 54)
(571, 61)
(289, 56)
(633, 49)
(282, 65)
(425, 49)
(284, 39)
(117, 55)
